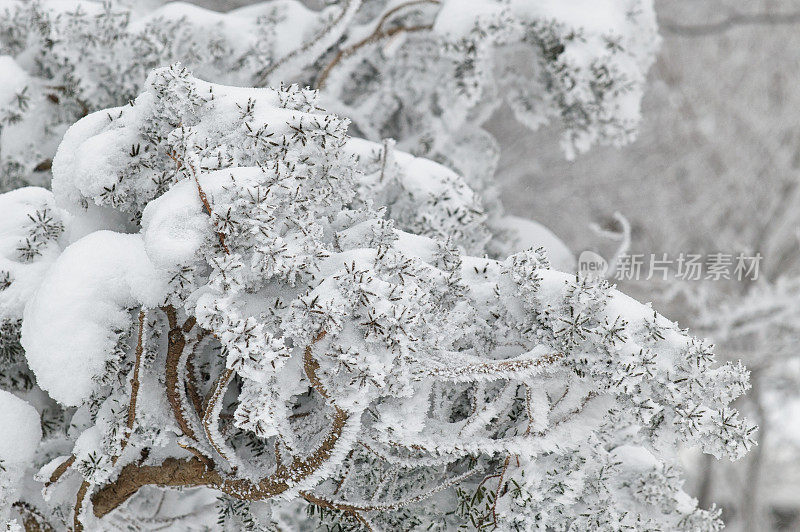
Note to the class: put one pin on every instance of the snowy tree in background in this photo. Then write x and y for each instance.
(227, 294)
(759, 326)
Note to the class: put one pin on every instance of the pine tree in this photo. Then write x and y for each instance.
(229, 295)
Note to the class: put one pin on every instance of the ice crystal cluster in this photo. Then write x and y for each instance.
(228, 294)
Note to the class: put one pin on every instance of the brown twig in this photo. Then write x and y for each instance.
(77, 526)
(311, 366)
(377, 35)
(129, 428)
(193, 472)
(528, 409)
(59, 471)
(263, 76)
(209, 419)
(499, 488)
(203, 197)
(189, 324)
(203, 458)
(191, 386)
(350, 510)
(176, 342)
(43, 166)
(135, 377)
(134, 389)
(207, 205)
(32, 519)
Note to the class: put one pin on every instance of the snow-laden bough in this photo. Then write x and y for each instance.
(270, 331)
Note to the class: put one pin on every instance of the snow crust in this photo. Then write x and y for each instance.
(18, 208)
(70, 326)
(19, 441)
(22, 432)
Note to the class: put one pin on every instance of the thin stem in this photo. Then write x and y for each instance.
(77, 526)
(376, 36)
(210, 415)
(347, 506)
(490, 368)
(191, 386)
(134, 389)
(349, 9)
(60, 470)
(176, 342)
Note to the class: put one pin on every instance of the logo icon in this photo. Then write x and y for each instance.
(590, 264)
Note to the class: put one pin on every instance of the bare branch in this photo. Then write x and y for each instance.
(77, 526)
(59, 471)
(514, 367)
(193, 472)
(176, 344)
(734, 20)
(32, 519)
(349, 9)
(210, 419)
(377, 35)
(191, 386)
(134, 388)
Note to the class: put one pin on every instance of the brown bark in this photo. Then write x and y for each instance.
(32, 519)
(191, 386)
(209, 420)
(60, 470)
(175, 472)
(176, 342)
(77, 526)
(134, 388)
(192, 472)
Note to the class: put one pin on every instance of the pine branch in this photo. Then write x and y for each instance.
(77, 525)
(191, 385)
(134, 388)
(505, 368)
(353, 508)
